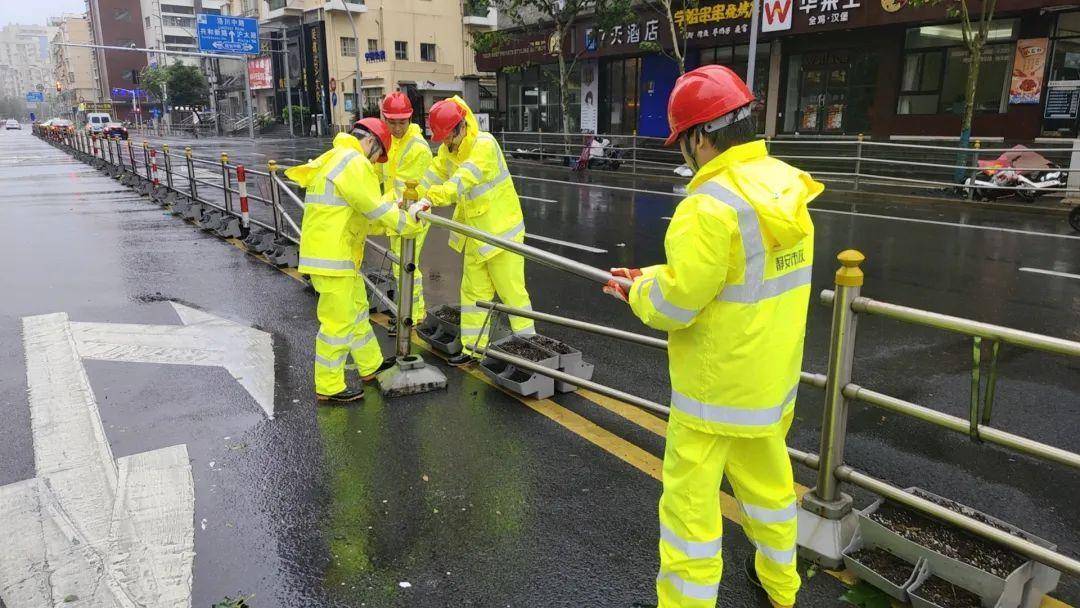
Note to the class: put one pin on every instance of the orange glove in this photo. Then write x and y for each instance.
(614, 289)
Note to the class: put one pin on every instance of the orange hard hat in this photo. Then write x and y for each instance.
(396, 106)
(377, 128)
(443, 117)
(704, 95)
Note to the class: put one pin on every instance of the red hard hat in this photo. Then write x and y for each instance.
(396, 105)
(703, 95)
(379, 129)
(443, 117)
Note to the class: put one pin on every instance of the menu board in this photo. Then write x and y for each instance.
(1062, 103)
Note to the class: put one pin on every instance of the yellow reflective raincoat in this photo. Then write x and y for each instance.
(408, 160)
(733, 294)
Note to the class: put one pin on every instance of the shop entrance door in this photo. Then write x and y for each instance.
(823, 100)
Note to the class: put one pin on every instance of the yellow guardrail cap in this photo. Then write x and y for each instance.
(224, 157)
(849, 274)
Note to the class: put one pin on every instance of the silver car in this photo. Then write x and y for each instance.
(12, 124)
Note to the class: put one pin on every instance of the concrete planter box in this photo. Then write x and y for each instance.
(384, 282)
(522, 382)
(284, 253)
(193, 212)
(260, 241)
(869, 575)
(443, 336)
(212, 220)
(1015, 590)
(570, 361)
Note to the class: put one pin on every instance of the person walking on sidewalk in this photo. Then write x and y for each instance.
(407, 160)
(733, 296)
(471, 173)
(343, 205)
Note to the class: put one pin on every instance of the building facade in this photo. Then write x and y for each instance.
(25, 62)
(119, 23)
(74, 68)
(823, 68)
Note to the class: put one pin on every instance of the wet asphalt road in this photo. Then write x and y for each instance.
(468, 495)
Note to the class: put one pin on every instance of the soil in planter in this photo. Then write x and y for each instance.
(894, 569)
(947, 541)
(524, 349)
(947, 595)
(551, 344)
(520, 376)
(449, 315)
(952, 505)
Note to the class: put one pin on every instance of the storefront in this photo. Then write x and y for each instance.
(823, 68)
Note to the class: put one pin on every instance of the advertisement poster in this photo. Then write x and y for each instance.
(1029, 65)
(261, 73)
(590, 96)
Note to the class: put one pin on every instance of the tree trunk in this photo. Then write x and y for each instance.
(676, 46)
(975, 57)
(564, 106)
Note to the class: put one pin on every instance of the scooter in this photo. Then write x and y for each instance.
(1074, 218)
(1018, 171)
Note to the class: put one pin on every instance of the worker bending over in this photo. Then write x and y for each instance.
(470, 172)
(407, 160)
(733, 296)
(342, 205)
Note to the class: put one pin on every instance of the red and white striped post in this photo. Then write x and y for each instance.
(241, 185)
(153, 167)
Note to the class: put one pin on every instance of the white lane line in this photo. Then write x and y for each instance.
(564, 243)
(854, 213)
(953, 224)
(537, 198)
(1055, 273)
(258, 154)
(293, 160)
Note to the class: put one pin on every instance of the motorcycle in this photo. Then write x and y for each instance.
(1074, 218)
(1019, 171)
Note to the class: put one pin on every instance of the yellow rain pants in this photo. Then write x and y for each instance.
(691, 528)
(344, 330)
(503, 274)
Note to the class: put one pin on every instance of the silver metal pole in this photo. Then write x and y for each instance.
(405, 295)
(965, 326)
(247, 95)
(288, 78)
(532, 253)
(602, 330)
(752, 59)
(849, 280)
(356, 83)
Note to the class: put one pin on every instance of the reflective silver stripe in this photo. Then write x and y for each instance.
(509, 234)
(336, 363)
(360, 318)
(755, 286)
(377, 212)
(480, 189)
(431, 176)
(329, 195)
(362, 340)
(691, 590)
(332, 341)
(692, 549)
(732, 414)
(327, 264)
(344, 162)
(402, 221)
(399, 183)
(471, 167)
(408, 146)
(669, 310)
(771, 516)
(780, 556)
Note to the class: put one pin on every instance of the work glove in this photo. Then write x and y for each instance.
(420, 205)
(614, 289)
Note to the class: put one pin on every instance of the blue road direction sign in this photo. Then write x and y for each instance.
(225, 34)
(35, 97)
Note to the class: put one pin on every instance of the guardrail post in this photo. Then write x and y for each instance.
(275, 197)
(970, 171)
(193, 192)
(406, 268)
(153, 168)
(168, 166)
(633, 143)
(541, 132)
(226, 182)
(131, 157)
(146, 159)
(825, 510)
(858, 161)
(241, 185)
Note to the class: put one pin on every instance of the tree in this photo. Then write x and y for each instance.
(677, 27)
(975, 33)
(185, 84)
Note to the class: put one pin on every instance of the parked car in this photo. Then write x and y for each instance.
(12, 124)
(96, 121)
(114, 129)
(61, 125)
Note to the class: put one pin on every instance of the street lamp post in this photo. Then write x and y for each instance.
(356, 37)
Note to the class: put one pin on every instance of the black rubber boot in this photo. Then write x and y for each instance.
(460, 360)
(344, 396)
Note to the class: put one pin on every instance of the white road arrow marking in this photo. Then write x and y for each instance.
(91, 531)
(204, 339)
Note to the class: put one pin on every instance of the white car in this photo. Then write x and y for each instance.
(12, 124)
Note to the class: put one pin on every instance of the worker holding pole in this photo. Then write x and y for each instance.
(343, 204)
(471, 173)
(732, 295)
(408, 160)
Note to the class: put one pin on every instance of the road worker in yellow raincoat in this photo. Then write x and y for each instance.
(408, 160)
(343, 204)
(733, 296)
(470, 172)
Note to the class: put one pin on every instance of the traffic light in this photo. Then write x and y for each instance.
(59, 89)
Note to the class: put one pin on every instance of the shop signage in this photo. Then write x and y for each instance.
(820, 12)
(590, 95)
(95, 106)
(260, 73)
(224, 34)
(1062, 102)
(777, 15)
(715, 20)
(1029, 65)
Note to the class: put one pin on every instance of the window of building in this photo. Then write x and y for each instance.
(829, 91)
(401, 50)
(121, 14)
(179, 40)
(178, 9)
(185, 22)
(348, 47)
(212, 11)
(276, 4)
(372, 45)
(131, 76)
(125, 42)
(147, 21)
(619, 93)
(1060, 115)
(935, 69)
(427, 51)
(372, 96)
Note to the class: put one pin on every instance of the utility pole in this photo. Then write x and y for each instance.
(356, 37)
(752, 59)
(288, 78)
